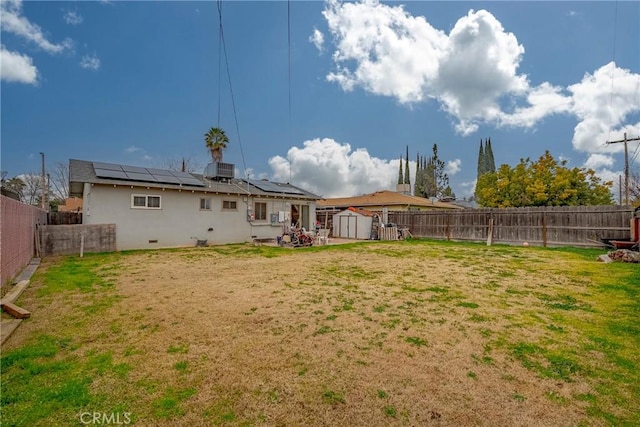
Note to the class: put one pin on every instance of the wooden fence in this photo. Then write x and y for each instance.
(546, 226)
(17, 236)
(65, 218)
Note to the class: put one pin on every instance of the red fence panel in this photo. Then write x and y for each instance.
(17, 236)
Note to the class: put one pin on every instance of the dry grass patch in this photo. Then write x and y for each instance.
(367, 334)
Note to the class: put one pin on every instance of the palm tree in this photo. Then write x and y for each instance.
(216, 140)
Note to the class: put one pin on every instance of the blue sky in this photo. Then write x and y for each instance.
(137, 83)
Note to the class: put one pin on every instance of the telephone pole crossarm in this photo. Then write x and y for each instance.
(626, 163)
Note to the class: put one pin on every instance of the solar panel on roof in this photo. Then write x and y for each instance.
(180, 174)
(109, 173)
(136, 169)
(107, 166)
(167, 179)
(145, 177)
(272, 187)
(159, 172)
(191, 181)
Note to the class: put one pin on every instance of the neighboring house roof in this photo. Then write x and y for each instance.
(82, 171)
(362, 212)
(10, 193)
(71, 204)
(384, 198)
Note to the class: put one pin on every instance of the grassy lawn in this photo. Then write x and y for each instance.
(380, 333)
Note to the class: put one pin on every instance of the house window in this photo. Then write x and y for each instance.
(260, 211)
(230, 205)
(205, 204)
(139, 201)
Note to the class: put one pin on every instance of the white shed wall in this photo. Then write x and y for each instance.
(350, 225)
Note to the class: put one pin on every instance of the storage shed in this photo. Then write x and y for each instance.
(353, 224)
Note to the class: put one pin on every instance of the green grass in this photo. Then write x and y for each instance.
(332, 397)
(580, 326)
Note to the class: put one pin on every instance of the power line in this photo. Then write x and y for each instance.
(613, 68)
(626, 163)
(219, 58)
(289, 72)
(233, 101)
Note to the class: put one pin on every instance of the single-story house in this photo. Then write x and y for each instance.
(380, 200)
(154, 208)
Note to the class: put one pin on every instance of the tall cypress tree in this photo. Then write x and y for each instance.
(400, 172)
(481, 161)
(407, 178)
(490, 161)
(417, 187)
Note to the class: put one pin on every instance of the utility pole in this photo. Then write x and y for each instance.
(42, 196)
(620, 190)
(626, 164)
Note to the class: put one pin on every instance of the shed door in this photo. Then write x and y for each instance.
(348, 226)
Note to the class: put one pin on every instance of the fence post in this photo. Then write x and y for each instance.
(448, 227)
(490, 232)
(544, 229)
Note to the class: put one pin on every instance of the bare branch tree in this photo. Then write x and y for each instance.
(32, 192)
(191, 164)
(60, 181)
(634, 189)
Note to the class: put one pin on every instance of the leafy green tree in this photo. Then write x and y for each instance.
(15, 184)
(216, 141)
(544, 182)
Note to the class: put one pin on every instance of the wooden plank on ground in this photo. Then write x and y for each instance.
(15, 291)
(14, 310)
(7, 328)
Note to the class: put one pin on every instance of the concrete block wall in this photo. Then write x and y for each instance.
(66, 239)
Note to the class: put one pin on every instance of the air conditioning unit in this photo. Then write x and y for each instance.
(219, 170)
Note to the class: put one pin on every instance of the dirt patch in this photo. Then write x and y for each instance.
(375, 334)
(273, 337)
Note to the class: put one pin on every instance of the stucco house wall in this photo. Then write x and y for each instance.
(180, 221)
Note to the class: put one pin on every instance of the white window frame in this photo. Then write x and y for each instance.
(235, 202)
(207, 203)
(146, 201)
(255, 210)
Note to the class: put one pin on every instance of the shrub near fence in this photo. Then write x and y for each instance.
(17, 236)
(546, 226)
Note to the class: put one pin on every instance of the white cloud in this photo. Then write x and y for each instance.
(90, 62)
(468, 189)
(132, 149)
(602, 101)
(472, 72)
(332, 169)
(392, 53)
(72, 17)
(317, 38)
(13, 22)
(597, 161)
(453, 167)
(15, 67)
